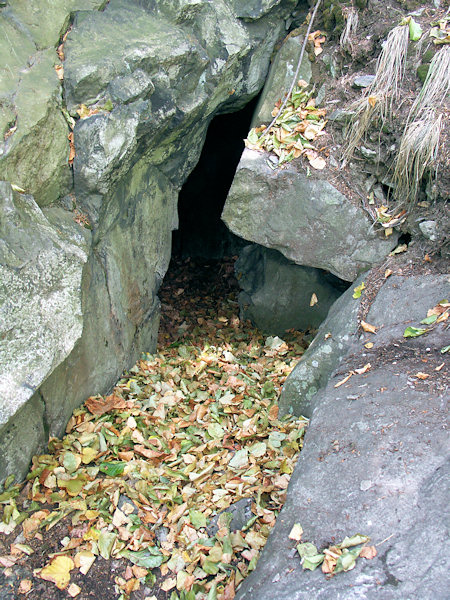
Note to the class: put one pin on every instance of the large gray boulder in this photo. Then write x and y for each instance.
(375, 462)
(277, 294)
(305, 218)
(40, 300)
(154, 75)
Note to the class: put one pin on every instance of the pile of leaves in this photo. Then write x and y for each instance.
(337, 557)
(293, 132)
(147, 473)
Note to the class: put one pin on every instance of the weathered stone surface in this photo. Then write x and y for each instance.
(376, 462)
(23, 435)
(324, 354)
(125, 268)
(305, 218)
(40, 298)
(35, 155)
(276, 293)
(46, 20)
(131, 159)
(280, 78)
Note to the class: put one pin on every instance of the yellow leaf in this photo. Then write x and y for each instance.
(296, 532)
(387, 273)
(372, 100)
(313, 300)
(368, 327)
(73, 590)
(88, 455)
(369, 345)
(58, 571)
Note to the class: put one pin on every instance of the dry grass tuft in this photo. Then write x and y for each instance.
(418, 152)
(383, 92)
(436, 86)
(351, 25)
(419, 145)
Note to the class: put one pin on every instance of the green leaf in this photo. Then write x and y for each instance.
(413, 332)
(112, 469)
(149, 558)
(197, 518)
(252, 136)
(429, 320)
(311, 559)
(347, 560)
(212, 595)
(105, 543)
(216, 431)
(71, 462)
(210, 567)
(357, 291)
(415, 30)
(445, 349)
(354, 540)
(240, 459)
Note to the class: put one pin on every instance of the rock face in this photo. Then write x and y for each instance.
(277, 294)
(375, 461)
(41, 263)
(307, 219)
(153, 75)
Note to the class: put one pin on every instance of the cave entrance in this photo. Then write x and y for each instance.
(201, 272)
(201, 234)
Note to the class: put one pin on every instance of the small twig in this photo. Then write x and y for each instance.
(294, 80)
(385, 540)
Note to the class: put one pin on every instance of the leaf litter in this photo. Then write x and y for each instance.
(142, 472)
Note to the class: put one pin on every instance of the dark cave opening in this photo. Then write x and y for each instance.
(201, 233)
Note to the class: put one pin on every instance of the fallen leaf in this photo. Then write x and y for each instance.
(73, 590)
(388, 273)
(368, 552)
(421, 375)
(296, 532)
(59, 71)
(25, 586)
(58, 571)
(368, 328)
(357, 291)
(399, 249)
(97, 405)
(363, 369)
(313, 300)
(413, 332)
(369, 345)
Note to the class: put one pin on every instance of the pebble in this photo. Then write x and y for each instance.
(363, 81)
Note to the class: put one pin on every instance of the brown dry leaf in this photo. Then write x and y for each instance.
(344, 380)
(314, 300)
(97, 405)
(368, 552)
(388, 273)
(25, 586)
(421, 375)
(71, 148)
(59, 72)
(399, 249)
(229, 591)
(368, 327)
(316, 161)
(363, 369)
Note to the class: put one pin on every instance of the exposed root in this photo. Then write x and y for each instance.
(383, 92)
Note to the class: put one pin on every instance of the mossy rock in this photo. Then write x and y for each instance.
(422, 72)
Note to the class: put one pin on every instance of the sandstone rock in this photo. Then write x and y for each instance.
(305, 218)
(277, 293)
